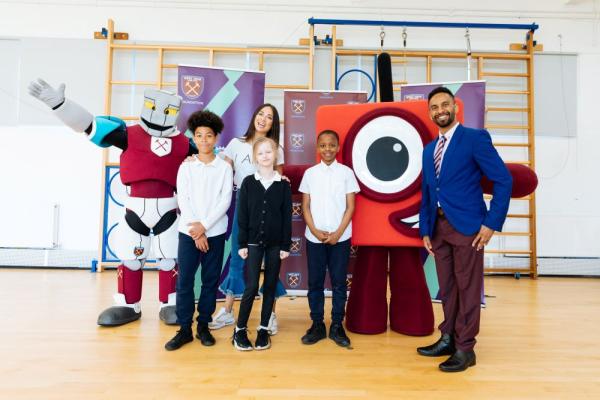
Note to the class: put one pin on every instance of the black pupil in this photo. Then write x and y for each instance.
(387, 158)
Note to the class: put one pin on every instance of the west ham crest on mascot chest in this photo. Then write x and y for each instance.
(160, 146)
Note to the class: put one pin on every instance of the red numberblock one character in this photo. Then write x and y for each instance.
(383, 144)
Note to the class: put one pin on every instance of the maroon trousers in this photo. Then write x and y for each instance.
(460, 269)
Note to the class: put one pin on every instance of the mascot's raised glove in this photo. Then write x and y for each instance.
(70, 113)
(46, 93)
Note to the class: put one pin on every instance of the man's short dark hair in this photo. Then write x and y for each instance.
(205, 118)
(329, 132)
(438, 90)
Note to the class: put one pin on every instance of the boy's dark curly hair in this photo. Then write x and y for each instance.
(205, 118)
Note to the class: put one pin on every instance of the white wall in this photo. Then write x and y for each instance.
(569, 218)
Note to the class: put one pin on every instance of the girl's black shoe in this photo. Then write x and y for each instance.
(263, 339)
(240, 340)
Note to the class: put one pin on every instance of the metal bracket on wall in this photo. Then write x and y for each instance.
(103, 34)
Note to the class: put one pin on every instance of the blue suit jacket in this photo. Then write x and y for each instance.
(469, 156)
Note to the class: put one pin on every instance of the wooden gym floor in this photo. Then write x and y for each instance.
(539, 340)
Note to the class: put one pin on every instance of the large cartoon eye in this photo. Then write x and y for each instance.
(385, 153)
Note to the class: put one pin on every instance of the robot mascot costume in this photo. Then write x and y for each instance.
(152, 153)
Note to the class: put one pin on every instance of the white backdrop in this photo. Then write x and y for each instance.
(47, 164)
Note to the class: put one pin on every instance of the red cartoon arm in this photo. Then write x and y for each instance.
(524, 181)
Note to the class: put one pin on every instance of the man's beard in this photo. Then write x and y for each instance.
(449, 121)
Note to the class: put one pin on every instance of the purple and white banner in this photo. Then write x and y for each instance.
(472, 94)
(300, 107)
(299, 110)
(233, 95)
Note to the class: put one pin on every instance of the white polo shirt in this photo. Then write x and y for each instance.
(241, 153)
(204, 195)
(327, 186)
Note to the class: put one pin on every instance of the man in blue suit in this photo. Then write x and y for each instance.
(456, 225)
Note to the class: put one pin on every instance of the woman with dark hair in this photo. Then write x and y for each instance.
(238, 153)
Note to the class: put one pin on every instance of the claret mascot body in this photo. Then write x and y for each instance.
(152, 153)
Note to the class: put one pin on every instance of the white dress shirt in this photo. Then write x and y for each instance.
(448, 135)
(204, 195)
(327, 186)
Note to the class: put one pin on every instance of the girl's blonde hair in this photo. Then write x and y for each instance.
(270, 141)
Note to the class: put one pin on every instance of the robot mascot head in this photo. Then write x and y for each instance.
(383, 143)
(160, 112)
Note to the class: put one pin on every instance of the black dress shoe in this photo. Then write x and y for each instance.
(206, 338)
(459, 361)
(315, 333)
(443, 347)
(183, 336)
(338, 335)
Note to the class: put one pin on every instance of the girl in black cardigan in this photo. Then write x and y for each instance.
(265, 231)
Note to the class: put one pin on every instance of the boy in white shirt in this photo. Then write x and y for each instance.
(204, 188)
(328, 191)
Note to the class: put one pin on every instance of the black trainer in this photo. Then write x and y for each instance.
(240, 340)
(206, 338)
(263, 339)
(338, 335)
(183, 336)
(315, 333)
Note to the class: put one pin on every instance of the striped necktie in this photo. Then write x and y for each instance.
(437, 157)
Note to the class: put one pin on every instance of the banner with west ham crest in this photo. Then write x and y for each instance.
(472, 94)
(233, 95)
(300, 107)
(299, 110)
(294, 270)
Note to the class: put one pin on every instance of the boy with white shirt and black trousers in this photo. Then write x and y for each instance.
(328, 191)
(204, 188)
(265, 230)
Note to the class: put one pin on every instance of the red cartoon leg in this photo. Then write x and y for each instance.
(411, 312)
(366, 311)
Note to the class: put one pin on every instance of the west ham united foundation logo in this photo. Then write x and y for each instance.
(192, 86)
(296, 246)
(414, 96)
(297, 140)
(353, 251)
(298, 106)
(294, 279)
(296, 211)
(349, 281)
